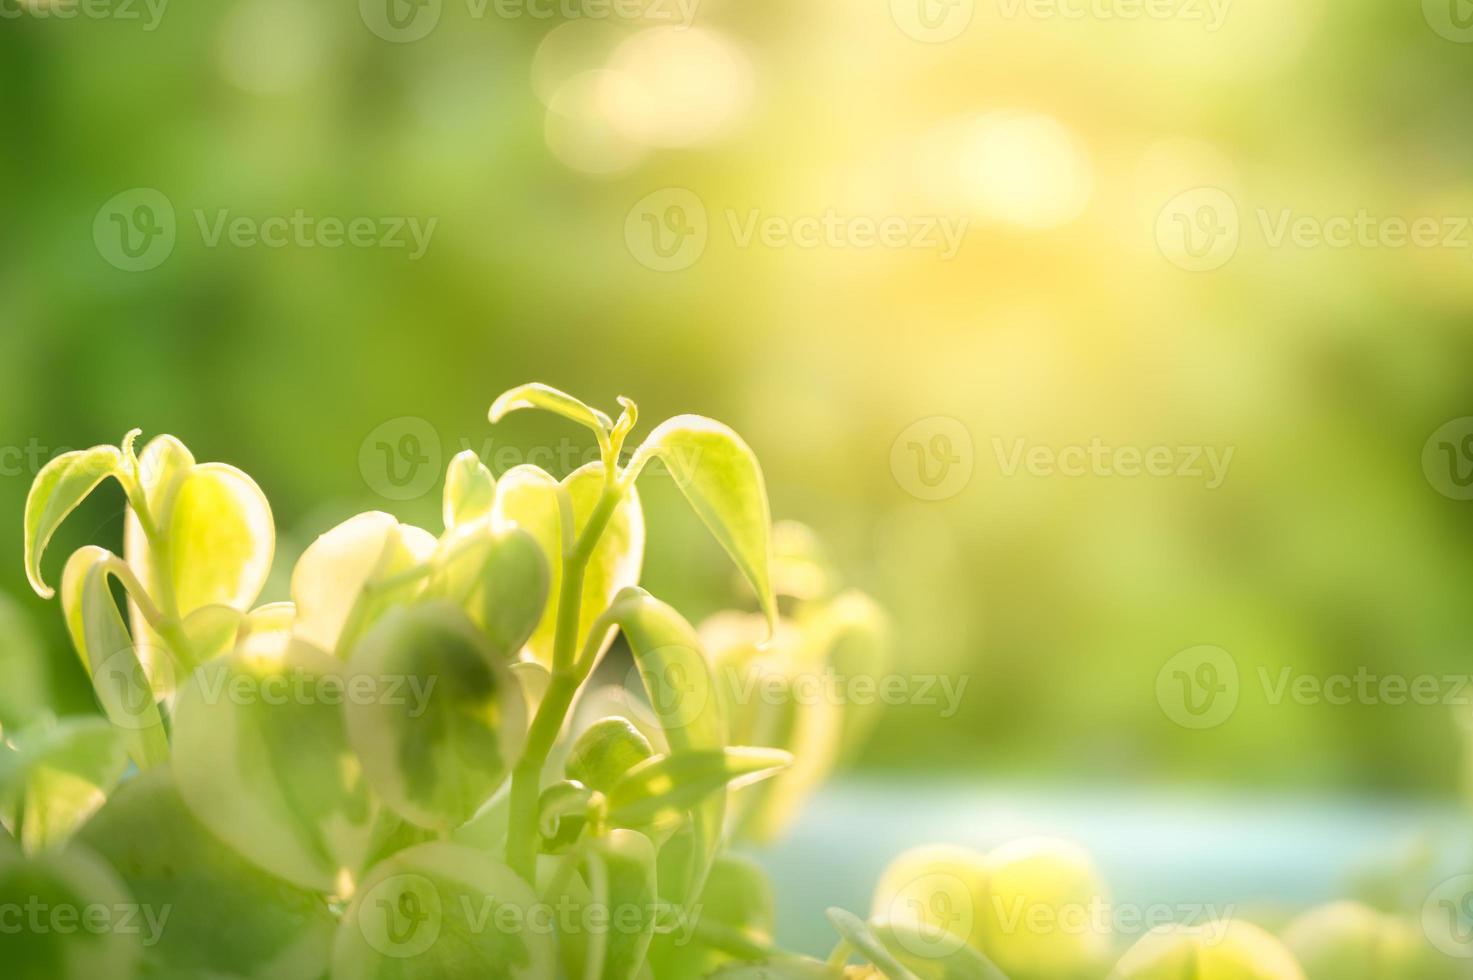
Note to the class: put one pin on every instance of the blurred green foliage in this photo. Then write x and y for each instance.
(1325, 549)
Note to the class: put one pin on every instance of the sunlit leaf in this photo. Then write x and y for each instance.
(527, 497)
(470, 490)
(719, 475)
(917, 948)
(562, 812)
(612, 918)
(62, 484)
(858, 934)
(107, 652)
(737, 902)
(339, 583)
(549, 399)
(498, 574)
(1233, 950)
(212, 632)
(59, 775)
(73, 879)
(434, 714)
(605, 751)
(225, 916)
(660, 789)
(261, 757)
(442, 910)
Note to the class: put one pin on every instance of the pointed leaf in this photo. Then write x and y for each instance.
(61, 485)
(719, 475)
(919, 950)
(107, 652)
(549, 399)
(470, 490)
(659, 790)
(853, 929)
(440, 719)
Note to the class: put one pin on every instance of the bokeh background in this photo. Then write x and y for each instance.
(590, 170)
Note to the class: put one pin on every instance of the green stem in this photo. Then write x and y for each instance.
(526, 778)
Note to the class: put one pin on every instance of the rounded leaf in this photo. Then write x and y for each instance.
(469, 490)
(1238, 951)
(435, 715)
(1351, 941)
(605, 751)
(261, 757)
(499, 574)
(441, 910)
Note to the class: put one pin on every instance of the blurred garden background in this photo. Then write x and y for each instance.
(741, 209)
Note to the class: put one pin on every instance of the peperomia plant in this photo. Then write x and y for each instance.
(415, 766)
(385, 775)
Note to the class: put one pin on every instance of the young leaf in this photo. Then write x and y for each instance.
(605, 752)
(498, 574)
(107, 652)
(58, 776)
(549, 399)
(737, 902)
(445, 721)
(337, 584)
(622, 866)
(933, 958)
(206, 911)
(658, 791)
(442, 910)
(719, 475)
(469, 490)
(61, 485)
(527, 497)
(261, 757)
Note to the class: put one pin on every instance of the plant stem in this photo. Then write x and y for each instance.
(526, 778)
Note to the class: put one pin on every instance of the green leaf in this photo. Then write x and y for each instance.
(341, 584)
(719, 475)
(443, 910)
(62, 484)
(790, 968)
(261, 757)
(659, 790)
(107, 652)
(549, 399)
(612, 922)
(605, 751)
(440, 720)
(858, 935)
(470, 490)
(528, 498)
(498, 574)
(562, 814)
(226, 916)
(72, 879)
(737, 903)
(677, 678)
(59, 775)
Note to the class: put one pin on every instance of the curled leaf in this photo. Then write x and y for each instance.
(62, 484)
(470, 490)
(549, 399)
